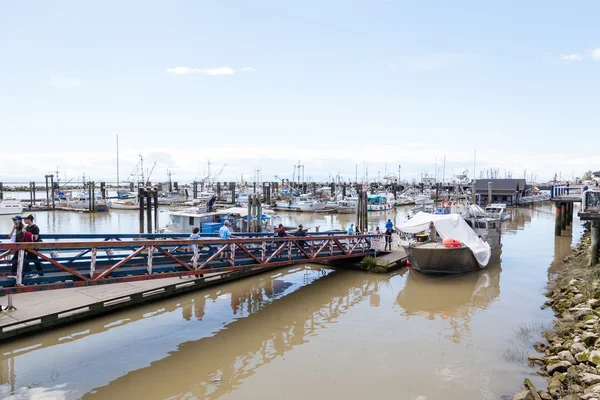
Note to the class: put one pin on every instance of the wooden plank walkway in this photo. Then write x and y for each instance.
(36, 311)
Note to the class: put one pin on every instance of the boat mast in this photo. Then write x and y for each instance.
(117, 163)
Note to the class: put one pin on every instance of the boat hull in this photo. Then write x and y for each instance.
(443, 260)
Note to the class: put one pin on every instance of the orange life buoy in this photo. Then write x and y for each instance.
(446, 203)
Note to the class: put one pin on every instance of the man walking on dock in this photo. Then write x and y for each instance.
(35, 232)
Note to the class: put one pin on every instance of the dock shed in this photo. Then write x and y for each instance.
(507, 191)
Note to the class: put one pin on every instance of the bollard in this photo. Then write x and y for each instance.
(557, 226)
(595, 243)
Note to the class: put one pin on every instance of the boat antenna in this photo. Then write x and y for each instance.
(117, 162)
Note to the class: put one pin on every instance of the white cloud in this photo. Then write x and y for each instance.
(570, 58)
(64, 83)
(248, 69)
(596, 54)
(201, 71)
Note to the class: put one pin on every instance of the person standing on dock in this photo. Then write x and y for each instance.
(350, 230)
(388, 239)
(35, 232)
(16, 236)
(389, 224)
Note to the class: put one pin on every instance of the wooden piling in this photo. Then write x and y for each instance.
(52, 192)
(155, 203)
(489, 199)
(218, 190)
(232, 189)
(557, 218)
(141, 198)
(149, 210)
(563, 216)
(259, 215)
(1, 191)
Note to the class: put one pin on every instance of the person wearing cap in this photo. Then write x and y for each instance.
(16, 236)
(30, 257)
(16, 229)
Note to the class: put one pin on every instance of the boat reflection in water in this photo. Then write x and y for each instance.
(452, 297)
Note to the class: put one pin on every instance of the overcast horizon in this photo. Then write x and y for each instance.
(331, 85)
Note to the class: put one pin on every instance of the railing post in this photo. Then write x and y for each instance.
(195, 257)
(20, 267)
(10, 306)
(150, 254)
(93, 262)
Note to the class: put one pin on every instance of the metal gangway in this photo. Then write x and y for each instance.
(93, 259)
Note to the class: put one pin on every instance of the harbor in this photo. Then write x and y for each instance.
(299, 200)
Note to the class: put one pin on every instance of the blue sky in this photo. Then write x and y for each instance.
(332, 83)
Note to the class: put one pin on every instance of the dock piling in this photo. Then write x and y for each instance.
(489, 199)
(557, 220)
(563, 216)
(141, 204)
(1, 191)
(594, 248)
(149, 210)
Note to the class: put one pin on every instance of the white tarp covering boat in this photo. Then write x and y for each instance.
(450, 226)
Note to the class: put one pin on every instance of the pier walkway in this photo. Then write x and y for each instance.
(88, 260)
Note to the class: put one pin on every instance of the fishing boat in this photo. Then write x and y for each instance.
(10, 207)
(303, 203)
(450, 244)
(497, 211)
(378, 202)
(83, 202)
(185, 220)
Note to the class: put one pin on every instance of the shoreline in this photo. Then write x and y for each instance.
(570, 356)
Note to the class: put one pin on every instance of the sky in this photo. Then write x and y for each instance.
(345, 88)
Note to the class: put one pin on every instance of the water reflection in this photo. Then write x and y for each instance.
(452, 297)
(224, 333)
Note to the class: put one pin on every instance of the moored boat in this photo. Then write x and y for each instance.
(449, 244)
(10, 207)
(300, 203)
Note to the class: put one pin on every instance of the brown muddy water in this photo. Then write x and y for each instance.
(306, 331)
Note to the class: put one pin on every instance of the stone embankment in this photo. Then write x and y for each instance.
(570, 358)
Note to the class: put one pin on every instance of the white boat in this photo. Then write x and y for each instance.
(303, 203)
(124, 205)
(497, 211)
(185, 220)
(83, 202)
(10, 207)
(378, 202)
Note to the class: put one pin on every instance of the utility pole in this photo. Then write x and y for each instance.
(474, 163)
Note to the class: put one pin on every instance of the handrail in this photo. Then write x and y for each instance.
(70, 263)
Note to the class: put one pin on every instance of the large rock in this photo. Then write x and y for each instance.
(536, 359)
(567, 356)
(560, 366)
(590, 356)
(589, 379)
(578, 347)
(593, 389)
(523, 395)
(589, 338)
(580, 313)
(555, 384)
